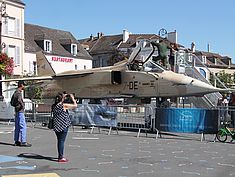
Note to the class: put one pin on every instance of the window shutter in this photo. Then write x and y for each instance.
(74, 49)
(17, 60)
(6, 50)
(50, 46)
(18, 27)
(30, 67)
(5, 27)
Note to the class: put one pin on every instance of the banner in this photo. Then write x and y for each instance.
(94, 115)
(187, 120)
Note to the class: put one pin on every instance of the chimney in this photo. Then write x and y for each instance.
(125, 35)
(193, 47)
(208, 47)
(98, 35)
(91, 37)
(172, 37)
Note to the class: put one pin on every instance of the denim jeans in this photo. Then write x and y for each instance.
(61, 136)
(20, 127)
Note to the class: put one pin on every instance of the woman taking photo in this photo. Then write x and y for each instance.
(62, 121)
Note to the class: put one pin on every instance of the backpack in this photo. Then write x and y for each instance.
(51, 119)
(13, 101)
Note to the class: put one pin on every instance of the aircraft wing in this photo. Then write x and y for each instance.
(71, 75)
(59, 76)
(121, 95)
(28, 79)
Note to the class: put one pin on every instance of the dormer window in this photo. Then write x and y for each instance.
(47, 45)
(204, 59)
(74, 49)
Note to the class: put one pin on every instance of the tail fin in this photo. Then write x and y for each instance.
(44, 68)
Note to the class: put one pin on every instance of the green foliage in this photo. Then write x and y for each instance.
(117, 56)
(225, 78)
(33, 91)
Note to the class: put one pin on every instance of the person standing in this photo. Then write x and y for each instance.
(20, 123)
(162, 53)
(62, 121)
(223, 108)
(232, 108)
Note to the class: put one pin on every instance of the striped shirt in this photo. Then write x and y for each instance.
(61, 118)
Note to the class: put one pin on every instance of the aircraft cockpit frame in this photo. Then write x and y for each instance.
(141, 58)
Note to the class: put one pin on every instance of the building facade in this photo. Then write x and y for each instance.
(106, 50)
(12, 43)
(60, 48)
(13, 33)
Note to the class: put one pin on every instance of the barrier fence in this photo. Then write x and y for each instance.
(139, 118)
(97, 115)
(226, 114)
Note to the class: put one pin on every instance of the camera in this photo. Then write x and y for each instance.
(68, 99)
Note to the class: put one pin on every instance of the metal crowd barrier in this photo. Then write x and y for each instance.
(129, 117)
(135, 117)
(37, 113)
(113, 116)
(226, 115)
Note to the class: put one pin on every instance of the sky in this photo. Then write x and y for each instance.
(200, 21)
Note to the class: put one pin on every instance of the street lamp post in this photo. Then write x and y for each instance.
(2, 14)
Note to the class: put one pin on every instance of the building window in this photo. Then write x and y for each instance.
(47, 45)
(11, 26)
(34, 67)
(101, 61)
(204, 59)
(74, 49)
(203, 72)
(94, 64)
(14, 53)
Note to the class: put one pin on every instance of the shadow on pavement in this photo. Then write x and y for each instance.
(8, 144)
(37, 156)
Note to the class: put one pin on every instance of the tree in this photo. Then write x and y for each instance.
(117, 56)
(225, 78)
(33, 91)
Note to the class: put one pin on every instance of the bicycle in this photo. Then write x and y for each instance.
(224, 132)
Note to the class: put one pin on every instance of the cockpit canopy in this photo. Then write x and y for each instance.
(142, 56)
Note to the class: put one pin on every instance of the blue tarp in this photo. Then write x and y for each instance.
(187, 120)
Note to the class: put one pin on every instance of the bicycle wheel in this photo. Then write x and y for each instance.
(221, 136)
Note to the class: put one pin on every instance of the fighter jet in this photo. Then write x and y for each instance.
(137, 77)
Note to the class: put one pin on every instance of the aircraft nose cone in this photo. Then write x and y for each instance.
(199, 88)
